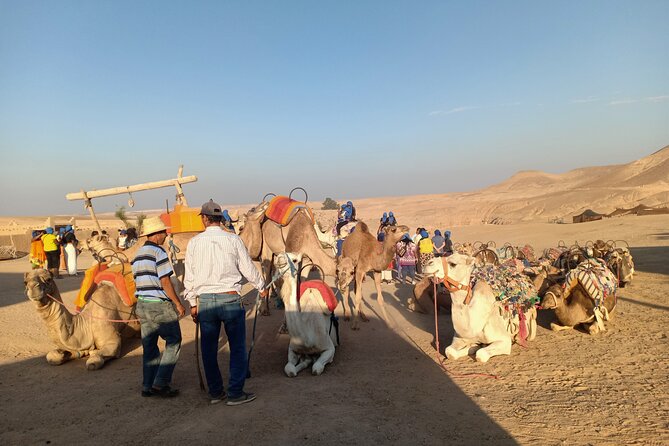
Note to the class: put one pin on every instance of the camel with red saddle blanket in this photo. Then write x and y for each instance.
(489, 306)
(309, 318)
(95, 333)
(285, 226)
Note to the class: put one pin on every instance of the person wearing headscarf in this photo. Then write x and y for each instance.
(52, 251)
(425, 249)
(70, 242)
(448, 244)
(383, 222)
(405, 250)
(351, 211)
(227, 221)
(122, 242)
(37, 254)
(391, 219)
(439, 243)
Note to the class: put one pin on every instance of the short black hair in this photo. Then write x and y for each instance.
(213, 218)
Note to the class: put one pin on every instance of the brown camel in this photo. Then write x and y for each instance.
(94, 333)
(362, 253)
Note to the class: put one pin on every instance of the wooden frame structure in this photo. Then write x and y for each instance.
(87, 196)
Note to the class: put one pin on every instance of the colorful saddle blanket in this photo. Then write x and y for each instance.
(595, 277)
(512, 288)
(282, 209)
(119, 275)
(324, 289)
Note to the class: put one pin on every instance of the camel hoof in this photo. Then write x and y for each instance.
(355, 325)
(556, 327)
(94, 363)
(317, 369)
(289, 370)
(450, 353)
(482, 356)
(347, 318)
(593, 329)
(56, 357)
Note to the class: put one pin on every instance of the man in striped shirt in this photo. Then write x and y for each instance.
(159, 309)
(216, 261)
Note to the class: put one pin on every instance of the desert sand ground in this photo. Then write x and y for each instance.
(385, 385)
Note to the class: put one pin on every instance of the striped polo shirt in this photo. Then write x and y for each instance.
(148, 267)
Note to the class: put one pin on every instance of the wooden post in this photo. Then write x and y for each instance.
(181, 198)
(89, 204)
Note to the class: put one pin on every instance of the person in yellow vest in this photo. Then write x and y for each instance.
(52, 251)
(425, 248)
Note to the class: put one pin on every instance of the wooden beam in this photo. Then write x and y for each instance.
(127, 189)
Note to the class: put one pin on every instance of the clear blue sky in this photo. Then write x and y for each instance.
(346, 98)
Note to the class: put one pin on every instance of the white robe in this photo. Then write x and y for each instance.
(71, 259)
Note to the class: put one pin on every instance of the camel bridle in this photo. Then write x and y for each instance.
(452, 285)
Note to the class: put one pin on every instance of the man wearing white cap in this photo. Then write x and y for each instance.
(216, 260)
(159, 309)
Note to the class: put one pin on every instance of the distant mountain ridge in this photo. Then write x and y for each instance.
(533, 195)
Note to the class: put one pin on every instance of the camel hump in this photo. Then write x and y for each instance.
(325, 291)
(282, 209)
(362, 226)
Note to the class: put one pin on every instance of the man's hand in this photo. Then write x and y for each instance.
(181, 311)
(193, 313)
(264, 293)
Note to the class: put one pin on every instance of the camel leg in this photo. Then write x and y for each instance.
(532, 322)
(382, 304)
(60, 356)
(459, 348)
(344, 301)
(357, 310)
(325, 358)
(266, 258)
(558, 327)
(296, 363)
(111, 349)
(501, 347)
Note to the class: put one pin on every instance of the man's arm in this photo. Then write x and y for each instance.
(169, 290)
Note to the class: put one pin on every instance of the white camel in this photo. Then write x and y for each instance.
(308, 317)
(478, 317)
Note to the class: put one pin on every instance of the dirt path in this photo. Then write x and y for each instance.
(384, 386)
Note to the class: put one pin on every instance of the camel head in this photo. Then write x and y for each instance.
(257, 212)
(434, 266)
(622, 265)
(460, 267)
(395, 233)
(39, 283)
(553, 297)
(345, 272)
(287, 263)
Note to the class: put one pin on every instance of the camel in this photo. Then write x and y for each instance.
(588, 297)
(308, 319)
(92, 333)
(621, 264)
(362, 253)
(478, 317)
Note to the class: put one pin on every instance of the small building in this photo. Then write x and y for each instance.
(587, 215)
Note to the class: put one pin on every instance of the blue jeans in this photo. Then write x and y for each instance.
(158, 319)
(408, 270)
(212, 310)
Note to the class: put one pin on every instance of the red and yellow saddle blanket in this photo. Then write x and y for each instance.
(324, 289)
(282, 209)
(119, 275)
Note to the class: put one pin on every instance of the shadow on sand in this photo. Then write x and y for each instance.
(379, 389)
